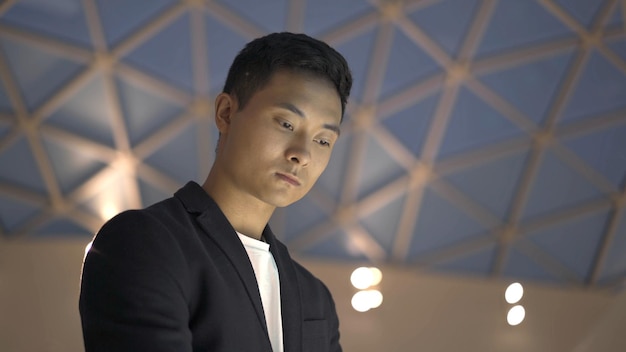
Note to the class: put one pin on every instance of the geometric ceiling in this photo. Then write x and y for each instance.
(482, 138)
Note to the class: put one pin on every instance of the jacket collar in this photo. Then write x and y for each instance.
(215, 224)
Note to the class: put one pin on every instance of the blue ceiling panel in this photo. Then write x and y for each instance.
(477, 262)
(64, 20)
(521, 266)
(441, 224)
(87, 113)
(358, 53)
(536, 84)
(167, 54)
(378, 169)
(618, 46)
(15, 212)
(5, 128)
(38, 73)
(61, 226)
(5, 101)
(557, 186)
(331, 181)
(383, 223)
(473, 124)
(19, 167)
(447, 22)
(574, 242)
(604, 150)
(72, 166)
(584, 11)
(300, 217)
(324, 15)
(410, 126)
(223, 44)
(492, 184)
(269, 15)
(336, 245)
(178, 157)
(120, 18)
(406, 65)
(615, 262)
(509, 27)
(617, 18)
(601, 88)
(150, 194)
(144, 111)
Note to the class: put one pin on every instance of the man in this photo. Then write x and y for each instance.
(202, 271)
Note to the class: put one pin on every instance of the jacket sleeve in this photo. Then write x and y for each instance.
(131, 295)
(335, 346)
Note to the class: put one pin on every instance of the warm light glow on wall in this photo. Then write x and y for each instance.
(108, 210)
(365, 280)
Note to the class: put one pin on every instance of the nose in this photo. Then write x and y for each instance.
(298, 153)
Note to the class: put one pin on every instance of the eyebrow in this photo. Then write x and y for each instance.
(294, 109)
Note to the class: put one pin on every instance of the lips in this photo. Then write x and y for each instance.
(289, 179)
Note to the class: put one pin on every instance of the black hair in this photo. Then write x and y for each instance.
(262, 57)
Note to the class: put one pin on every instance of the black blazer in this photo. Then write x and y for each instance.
(175, 277)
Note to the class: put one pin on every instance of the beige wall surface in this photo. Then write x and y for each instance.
(39, 283)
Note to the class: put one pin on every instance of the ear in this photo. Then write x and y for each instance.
(225, 107)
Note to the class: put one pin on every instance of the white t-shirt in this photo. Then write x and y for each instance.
(269, 286)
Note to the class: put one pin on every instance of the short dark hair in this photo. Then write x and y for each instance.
(258, 60)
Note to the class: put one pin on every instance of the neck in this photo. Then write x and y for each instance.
(246, 214)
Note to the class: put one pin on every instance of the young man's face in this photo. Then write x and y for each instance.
(276, 147)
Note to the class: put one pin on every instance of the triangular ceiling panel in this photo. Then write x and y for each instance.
(474, 124)
(615, 263)
(509, 27)
(38, 73)
(61, 227)
(223, 44)
(557, 186)
(20, 168)
(167, 54)
(407, 64)
(601, 88)
(477, 262)
(378, 168)
(120, 18)
(301, 217)
(440, 224)
(337, 245)
(178, 157)
(269, 15)
(573, 242)
(5, 101)
(144, 111)
(618, 46)
(617, 17)
(447, 22)
(536, 84)
(358, 52)
(604, 151)
(5, 128)
(63, 20)
(14, 212)
(87, 113)
(521, 266)
(382, 224)
(492, 184)
(324, 15)
(150, 194)
(584, 11)
(410, 126)
(72, 166)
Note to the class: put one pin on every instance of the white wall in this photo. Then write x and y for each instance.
(39, 309)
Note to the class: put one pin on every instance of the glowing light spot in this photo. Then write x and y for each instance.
(108, 210)
(360, 302)
(516, 315)
(514, 293)
(363, 277)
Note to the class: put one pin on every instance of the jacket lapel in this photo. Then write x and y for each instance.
(216, 226)
(289, 294)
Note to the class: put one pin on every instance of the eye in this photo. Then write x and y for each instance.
(287, 125)
(323, 142)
